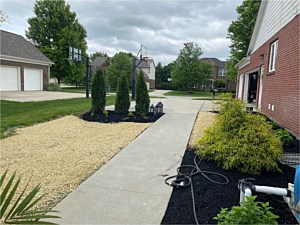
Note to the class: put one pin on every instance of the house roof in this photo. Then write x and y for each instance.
(14, 45)
(261, 12)
(144, 64)
(99, 61)
(215, 61)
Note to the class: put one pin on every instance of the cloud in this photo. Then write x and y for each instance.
(162, 26)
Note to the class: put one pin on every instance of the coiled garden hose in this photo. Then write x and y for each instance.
(185, 179)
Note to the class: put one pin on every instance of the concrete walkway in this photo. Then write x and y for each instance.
(130, 188)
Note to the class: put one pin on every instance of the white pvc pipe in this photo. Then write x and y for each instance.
(248, 193)
(271, 190)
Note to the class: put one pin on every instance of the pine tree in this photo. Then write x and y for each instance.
(142, 97)
(122, 102)
(98, 92)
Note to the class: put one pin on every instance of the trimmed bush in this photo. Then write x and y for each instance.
(250, 212)
(98, 92)
(53, 87)
(122, 102)
(220, 84)
(142, 96)
(240, 141)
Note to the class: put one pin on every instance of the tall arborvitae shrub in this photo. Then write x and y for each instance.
(98, 92)
(122, 102)
(142, 96)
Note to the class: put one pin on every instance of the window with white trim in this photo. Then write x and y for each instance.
(273, 56)
(222, 72)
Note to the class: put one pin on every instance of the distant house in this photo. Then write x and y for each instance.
(148, 68)
(99, 63)
(219, 73)
(23, 67)
(268, 76)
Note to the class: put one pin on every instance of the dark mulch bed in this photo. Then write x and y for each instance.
(113, 117)
(294, 148)
(210, 198)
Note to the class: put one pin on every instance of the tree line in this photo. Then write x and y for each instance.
(55, 27)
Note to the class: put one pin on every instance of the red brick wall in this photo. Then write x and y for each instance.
(281, 88)
(28, 65)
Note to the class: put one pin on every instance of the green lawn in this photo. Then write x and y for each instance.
(17, 114)
(190, 94)
(74, 89)
(82, 90)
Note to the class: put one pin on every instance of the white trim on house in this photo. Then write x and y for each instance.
(273, 56)
(23, 60)
(242, 63)
(272, 16)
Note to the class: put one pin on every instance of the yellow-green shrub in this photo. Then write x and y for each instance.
(240, 141)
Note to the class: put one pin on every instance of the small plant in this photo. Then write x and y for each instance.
(98, 92)
(130, 114)
(250, 212)
(142, 96)
(122, 102)
(239, 140)
(105, 113)
(285, 137)
(53, 87)
(18, 208)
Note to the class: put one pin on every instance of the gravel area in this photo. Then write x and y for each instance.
(203, 120)
(62, 153)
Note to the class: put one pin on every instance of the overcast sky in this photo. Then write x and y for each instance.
(162, 26)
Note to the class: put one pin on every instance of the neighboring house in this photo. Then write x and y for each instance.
(219, 73)
(269, 74)
(22, 66)
(148, 68)
(99, 63)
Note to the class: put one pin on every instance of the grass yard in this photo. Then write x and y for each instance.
(18, 114)
(74, 89)
(203, 94)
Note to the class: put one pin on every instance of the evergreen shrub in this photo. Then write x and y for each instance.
(122, 102)
(98, 92)
(239, 140)
(142, 97)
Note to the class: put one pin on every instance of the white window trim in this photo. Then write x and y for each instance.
(273, 56)
(222, 74)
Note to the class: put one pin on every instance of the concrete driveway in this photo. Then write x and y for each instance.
(33, 96)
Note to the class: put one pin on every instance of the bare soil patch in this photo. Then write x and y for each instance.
(203, 121)
(62, 153)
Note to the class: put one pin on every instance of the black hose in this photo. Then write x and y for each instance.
(185, 179)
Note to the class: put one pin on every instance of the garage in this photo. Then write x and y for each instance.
(23, 66)
(33, 79)
(9, 78)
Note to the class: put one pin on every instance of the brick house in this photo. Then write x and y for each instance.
(268, 76)
(219, 73)
(23, 67)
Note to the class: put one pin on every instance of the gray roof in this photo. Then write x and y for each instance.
(144, 64)
(215, 61)
(15, 45)
(99, 61)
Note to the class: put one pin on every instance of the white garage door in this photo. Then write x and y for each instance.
(9, 78)
(32, 79)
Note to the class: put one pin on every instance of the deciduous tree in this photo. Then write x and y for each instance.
(240, 32)
(188, 70)
(121, 62)
(53, 29)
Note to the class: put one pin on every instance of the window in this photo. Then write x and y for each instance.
(273, 55)
(222, 72)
